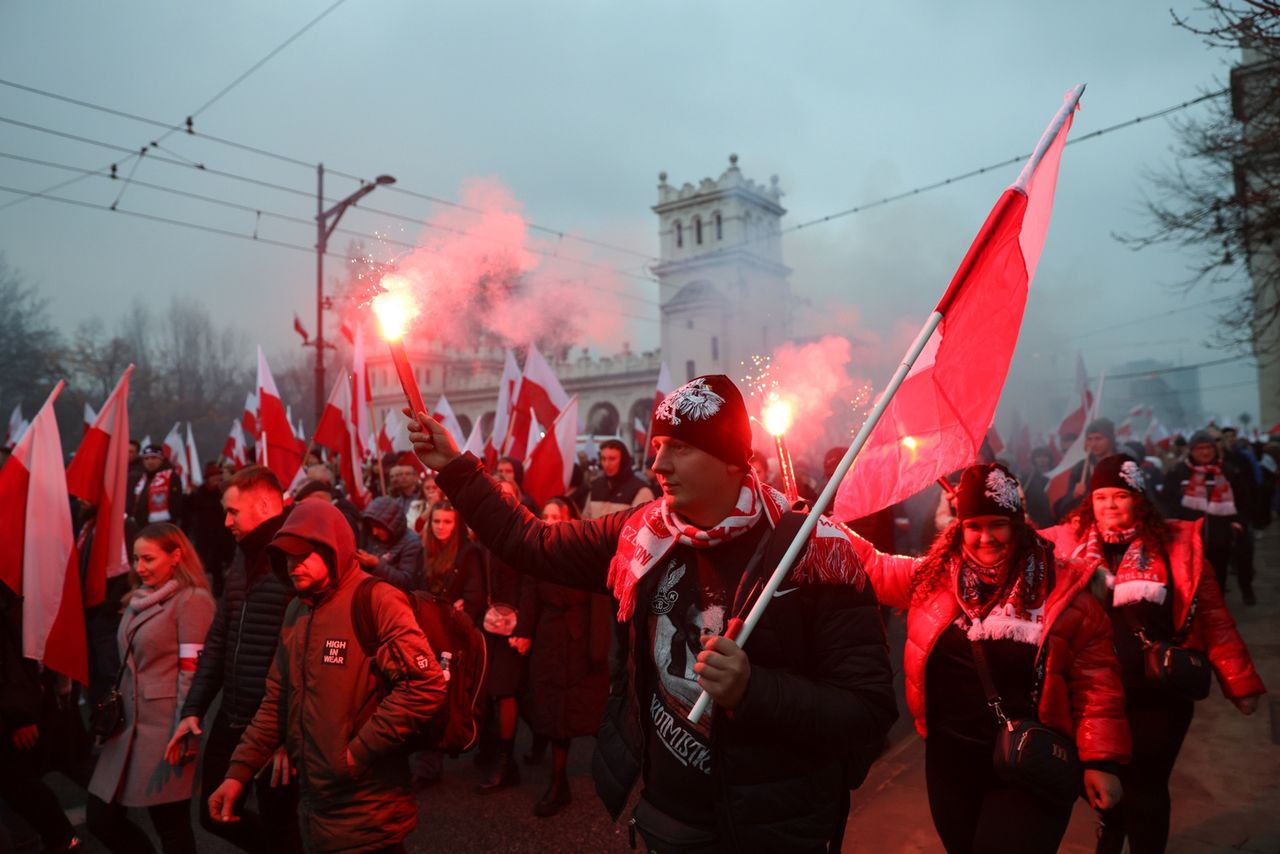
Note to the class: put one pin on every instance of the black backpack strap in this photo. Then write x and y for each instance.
(988, 684)
(362, 621)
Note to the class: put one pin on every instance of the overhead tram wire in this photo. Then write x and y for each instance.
(284, 158)
(306, 194)
(195, 226)
(383, 239)
(186, 125)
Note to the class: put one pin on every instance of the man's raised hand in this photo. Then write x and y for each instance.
(431, 442)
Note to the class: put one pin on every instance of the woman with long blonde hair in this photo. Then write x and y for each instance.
(166, 616)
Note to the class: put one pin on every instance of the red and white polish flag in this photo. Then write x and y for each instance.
(249, 418)
(38, 556)
(235, 448)
(175, 450)
(277, 445)
(99, 476)
(550, 466)
(665, 387)
(502, 412)
(936, 422)
(444, 414)
(539, 397)
(335, 433)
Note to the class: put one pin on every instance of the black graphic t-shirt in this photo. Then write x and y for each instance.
(693, 597)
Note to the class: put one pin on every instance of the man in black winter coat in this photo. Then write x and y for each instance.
(798, 714)
(237, 655)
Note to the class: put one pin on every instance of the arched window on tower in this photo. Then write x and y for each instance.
(679, 234)
(719, 227)
(697, 229)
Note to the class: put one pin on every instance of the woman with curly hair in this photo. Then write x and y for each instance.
(1153, 580)
(990, 602)
(166, 617)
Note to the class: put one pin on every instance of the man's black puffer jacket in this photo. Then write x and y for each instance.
(246, 629)
(818, 705)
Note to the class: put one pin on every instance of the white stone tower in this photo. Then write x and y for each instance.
(724, 290)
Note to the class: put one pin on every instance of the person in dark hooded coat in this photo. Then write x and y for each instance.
(391, 551)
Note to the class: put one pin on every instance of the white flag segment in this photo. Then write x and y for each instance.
(540, 389)
(89, 416)
(38, 558)
(176, 451)
(444, 414)
(475, 444)
(194, 471)
(99, 476)
(361, 397)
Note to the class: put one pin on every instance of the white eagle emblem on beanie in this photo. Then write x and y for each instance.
(693, 400)
(1003, 490)
(1132, 475)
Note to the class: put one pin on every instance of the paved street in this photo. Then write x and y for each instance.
(1226, 785)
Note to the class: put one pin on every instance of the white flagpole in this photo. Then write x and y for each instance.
(846, 462)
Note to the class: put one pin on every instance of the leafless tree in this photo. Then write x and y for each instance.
(1220, 201)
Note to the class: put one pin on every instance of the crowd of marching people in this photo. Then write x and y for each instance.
(279, 645)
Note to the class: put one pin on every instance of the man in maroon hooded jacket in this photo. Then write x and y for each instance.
(329, 702)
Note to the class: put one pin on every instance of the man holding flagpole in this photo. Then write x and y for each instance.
(800, 713)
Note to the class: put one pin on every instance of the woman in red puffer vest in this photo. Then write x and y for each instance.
(989, 578)
(1152, 576)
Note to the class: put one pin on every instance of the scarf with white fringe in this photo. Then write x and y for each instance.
(650, 534)
(1207, 490)
(1140, 576)
(997, 607)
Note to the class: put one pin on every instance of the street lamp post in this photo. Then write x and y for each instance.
(326, 222)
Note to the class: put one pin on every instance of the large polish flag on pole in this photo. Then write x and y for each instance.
(551, 464)
(936, 421)
(539, 397)
(502, 412)
(99, 476)
(38, 557)
(277, 445)
(335, 432)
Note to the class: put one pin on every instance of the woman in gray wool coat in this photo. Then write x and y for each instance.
(166, 617)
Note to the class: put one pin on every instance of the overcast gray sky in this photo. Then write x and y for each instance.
(576, 107)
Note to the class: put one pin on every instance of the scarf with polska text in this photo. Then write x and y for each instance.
(1208, 491)
(650, 534)
(1140, 576)
(998, 609)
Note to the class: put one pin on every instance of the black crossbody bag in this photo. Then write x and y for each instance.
(1028, 753)
(107, 717)
(1186, 672)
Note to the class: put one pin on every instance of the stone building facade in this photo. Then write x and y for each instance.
(724, 295)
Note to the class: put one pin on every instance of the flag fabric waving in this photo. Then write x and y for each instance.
(38, 556)
(1059, 478)
(249, 418)
(551, 463)
(17, 426)
(277, 445)
(334, 431)
(1073, 422)
(195, 473)
(234, 449)
(175, 450)
(99, 476)
(361, 397)
(502, 412)
(89, 416)
(665, 387)
(539, 397)
(936, 422)
(444, 414)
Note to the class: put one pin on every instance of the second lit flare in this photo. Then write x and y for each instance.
(777, 419)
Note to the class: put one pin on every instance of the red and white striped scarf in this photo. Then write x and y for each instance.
(1208, 491)
(998, 607)
(1140, 577)
(650, 534)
